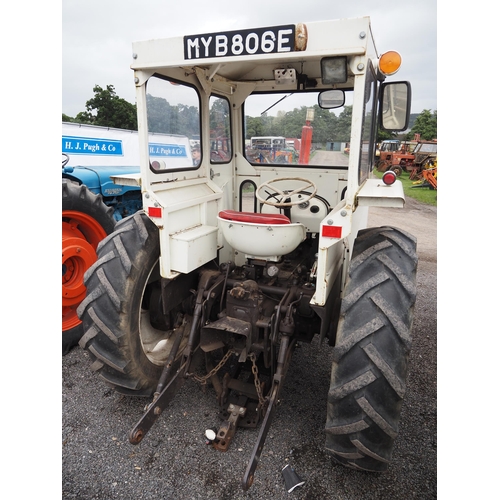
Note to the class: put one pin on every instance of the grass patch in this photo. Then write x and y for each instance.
(422, 194)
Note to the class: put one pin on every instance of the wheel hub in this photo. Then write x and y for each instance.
(77, 256)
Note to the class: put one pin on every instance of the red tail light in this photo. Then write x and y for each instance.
(389, 177)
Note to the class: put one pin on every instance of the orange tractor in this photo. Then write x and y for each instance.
(411, 158)
(427, 177)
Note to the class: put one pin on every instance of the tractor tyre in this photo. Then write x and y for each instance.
(368, 379)
(125, 331)
(397, 170)
(86, 220)
(383, 165)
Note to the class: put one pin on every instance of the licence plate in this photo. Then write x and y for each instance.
(240, 43)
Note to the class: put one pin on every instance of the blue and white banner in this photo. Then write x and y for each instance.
(91, 146)
(167, 150)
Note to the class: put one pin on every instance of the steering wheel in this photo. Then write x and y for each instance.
(285, 194)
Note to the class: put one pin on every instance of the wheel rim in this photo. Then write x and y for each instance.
(157, 337)
(81, 234)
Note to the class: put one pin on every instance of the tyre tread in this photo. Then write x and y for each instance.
(111, 282)
(370, 359)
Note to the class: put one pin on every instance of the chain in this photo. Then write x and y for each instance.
(212, 372)
(255, 372)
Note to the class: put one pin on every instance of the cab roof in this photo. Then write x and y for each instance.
(223, 54)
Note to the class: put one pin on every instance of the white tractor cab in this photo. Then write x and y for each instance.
(256, 246)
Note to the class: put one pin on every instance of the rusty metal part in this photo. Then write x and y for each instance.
(228, 428)
(213, 371)
(284, 356)
(170, 362)
(252, 416)
(213, 378)
(205, 296)
(258, 385)
(155, 409)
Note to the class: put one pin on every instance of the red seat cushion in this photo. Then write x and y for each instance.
(253, 217)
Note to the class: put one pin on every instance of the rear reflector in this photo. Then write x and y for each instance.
(154, 211)
(389, 177)
(332, 231)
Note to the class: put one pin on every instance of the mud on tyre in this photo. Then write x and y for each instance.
(125, 331)
(368, 379)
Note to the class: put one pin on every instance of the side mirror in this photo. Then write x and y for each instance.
(330, 99)
(395, 104)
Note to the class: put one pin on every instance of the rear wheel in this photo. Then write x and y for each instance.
(368, 379)
(397, 170)
(383, 165)
(86, 220)
(125, 331)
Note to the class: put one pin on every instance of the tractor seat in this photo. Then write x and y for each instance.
(254, 218)
(262, 236)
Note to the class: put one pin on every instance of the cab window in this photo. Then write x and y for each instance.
(173, 124)
(291, 129)
(220, 130)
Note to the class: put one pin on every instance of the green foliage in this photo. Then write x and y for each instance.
(425, 125)
(219, 117)
(108, 110)
(167, 119)
(326, 125)
(384, 135)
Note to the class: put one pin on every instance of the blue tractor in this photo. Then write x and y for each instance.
(91, 206)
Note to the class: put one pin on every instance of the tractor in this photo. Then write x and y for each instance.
(398, 160)
(233, 262)
(92, 203)
(425, 156)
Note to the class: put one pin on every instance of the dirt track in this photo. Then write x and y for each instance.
(173, 461)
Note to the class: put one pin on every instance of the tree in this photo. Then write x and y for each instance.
(384, 135)
(108, 110)
(343, 125)
(163, 118)
(425, 125)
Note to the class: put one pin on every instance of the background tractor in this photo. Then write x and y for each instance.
(92, 203)
(398, 160)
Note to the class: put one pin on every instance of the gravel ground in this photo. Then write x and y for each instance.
(174, 463)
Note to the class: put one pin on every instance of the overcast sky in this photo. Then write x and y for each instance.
(97, 36)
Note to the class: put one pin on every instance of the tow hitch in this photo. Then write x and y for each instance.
(244, 403)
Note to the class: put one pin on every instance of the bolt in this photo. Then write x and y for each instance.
(343, 213)
(329, 222)
(362, 35)
(361, 66)
(134, 56)
(138, 435)
(136, 80)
